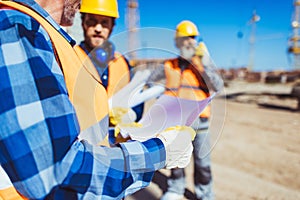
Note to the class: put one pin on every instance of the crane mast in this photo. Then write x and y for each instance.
(294, 40)
(132, 24)
(254, 19)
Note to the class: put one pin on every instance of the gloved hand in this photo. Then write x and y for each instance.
(119, 115)
(201, 49)
(120, 132)
(177, 141)
(209, 70)
(123, 97)
(178, 144)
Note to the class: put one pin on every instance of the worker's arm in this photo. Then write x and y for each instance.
(157, 76)
(209, 72)
(39, 149)
(214, 78)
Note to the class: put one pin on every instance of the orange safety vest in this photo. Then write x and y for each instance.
(119, 74)
(186, 84)
(85, 90)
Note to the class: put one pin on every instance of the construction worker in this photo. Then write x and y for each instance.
(51, 104)
(186, 77)
(98, 20)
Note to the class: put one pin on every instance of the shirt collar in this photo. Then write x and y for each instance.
(32, 4)
(82, 45)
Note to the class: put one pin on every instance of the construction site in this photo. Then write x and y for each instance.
(255, 125)
(256, 152)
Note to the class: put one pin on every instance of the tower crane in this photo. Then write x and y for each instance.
(132, 24)
(294, 47)
(254, 19)
(294, 40)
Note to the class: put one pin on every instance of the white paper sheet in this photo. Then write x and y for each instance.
(167, 111)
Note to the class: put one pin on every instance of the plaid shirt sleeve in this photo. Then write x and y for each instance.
(39, 149)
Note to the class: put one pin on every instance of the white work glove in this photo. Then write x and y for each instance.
(124, 96)
(176, 139)
(120, 104)
(119, 115)
(178, 144)
(146, 94)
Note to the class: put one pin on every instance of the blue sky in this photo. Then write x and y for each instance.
(219, 22)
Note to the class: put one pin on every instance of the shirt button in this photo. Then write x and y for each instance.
(104, 77)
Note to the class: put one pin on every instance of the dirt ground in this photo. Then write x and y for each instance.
(255, 154)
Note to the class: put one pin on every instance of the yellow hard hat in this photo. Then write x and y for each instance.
(100, 7)
(186, 28)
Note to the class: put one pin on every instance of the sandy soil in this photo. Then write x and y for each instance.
(255, 155)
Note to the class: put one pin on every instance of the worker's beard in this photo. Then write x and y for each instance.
(187, 52)
(70, 9)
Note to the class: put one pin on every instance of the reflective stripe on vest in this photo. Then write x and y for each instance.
(184, 84)
(87, 95)
(119, 74)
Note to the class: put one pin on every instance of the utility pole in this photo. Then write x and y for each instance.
(294, 40)
(254, 19)
(132, 23)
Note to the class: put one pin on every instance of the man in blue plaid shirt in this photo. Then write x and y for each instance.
(39, 148)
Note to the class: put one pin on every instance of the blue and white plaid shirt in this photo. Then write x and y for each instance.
(39, 149)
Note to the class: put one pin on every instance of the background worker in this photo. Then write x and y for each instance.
(98, 20)
(186, 77)
(40, 121)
